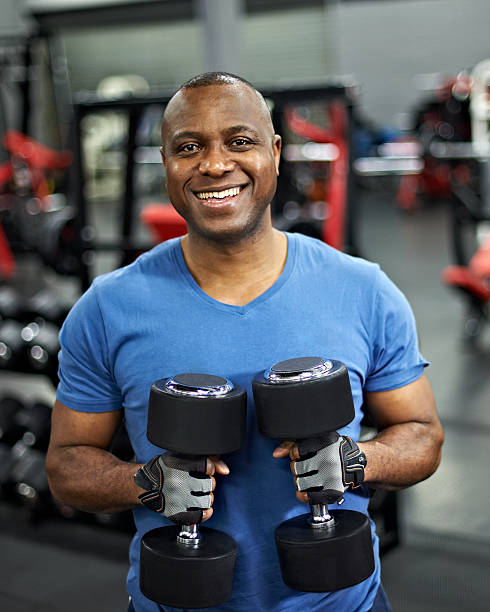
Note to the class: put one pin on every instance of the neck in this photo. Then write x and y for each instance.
(236, 273)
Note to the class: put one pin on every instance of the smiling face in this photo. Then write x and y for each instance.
(221, 157)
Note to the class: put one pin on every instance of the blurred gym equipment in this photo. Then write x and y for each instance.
(471, 274)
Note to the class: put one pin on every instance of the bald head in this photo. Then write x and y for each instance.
(238, 85)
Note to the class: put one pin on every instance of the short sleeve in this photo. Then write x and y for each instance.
(85, 375)
(395, 358)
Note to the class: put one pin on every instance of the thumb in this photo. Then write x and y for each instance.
(283, 449)
(220, 465)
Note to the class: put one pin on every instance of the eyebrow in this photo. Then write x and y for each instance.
(185, 134)
(235, 129)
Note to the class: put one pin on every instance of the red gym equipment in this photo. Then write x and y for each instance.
(36, 158)
(164, 222)
(333, 231)
(473, 279)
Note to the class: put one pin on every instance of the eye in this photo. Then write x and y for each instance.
(190, 147)
(241, 142)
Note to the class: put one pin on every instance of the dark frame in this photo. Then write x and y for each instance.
(134, 107)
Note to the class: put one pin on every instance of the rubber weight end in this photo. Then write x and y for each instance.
(303, 398)
(197, 414)
(182, 576)
(325, 559)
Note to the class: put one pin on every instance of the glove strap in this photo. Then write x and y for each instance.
(150, 478)
(353, 463)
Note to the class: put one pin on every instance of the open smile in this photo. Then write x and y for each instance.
(222, 196)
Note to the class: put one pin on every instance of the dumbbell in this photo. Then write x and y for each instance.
(12, 355)
(11, 303)
(10, 430)
(24, 435)
(49, 306)
(324, 550)
(6, 464)
(194, 415)
(29, 478)
(42, 344)
(34, 424)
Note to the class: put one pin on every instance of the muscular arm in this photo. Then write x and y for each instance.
(81, 472)
(407, 448)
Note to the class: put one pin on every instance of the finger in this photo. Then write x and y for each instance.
(305, 465)
(302, 497)
(201, 485)
(207, 514)
(211, 495)
(306, 482)
(213, 483)
(210, 467)
(219, 465)
(294, 453)
(283, 449)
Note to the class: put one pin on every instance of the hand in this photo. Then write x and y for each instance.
(180, 488)
(324, 467)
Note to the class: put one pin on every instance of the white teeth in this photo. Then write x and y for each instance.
(206, 195)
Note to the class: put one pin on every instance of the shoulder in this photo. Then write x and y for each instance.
(321, 258)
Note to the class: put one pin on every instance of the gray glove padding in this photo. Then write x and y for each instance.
(177, 487)
(329, 465)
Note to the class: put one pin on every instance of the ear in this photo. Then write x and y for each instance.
(164, 159)
(277, 146)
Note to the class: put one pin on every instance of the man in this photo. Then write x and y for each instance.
(231, 298)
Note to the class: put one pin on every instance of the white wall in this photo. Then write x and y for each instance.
(386, 44)
(12, 21)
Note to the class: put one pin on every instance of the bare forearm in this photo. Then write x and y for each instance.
(402, 455)
(92, 479)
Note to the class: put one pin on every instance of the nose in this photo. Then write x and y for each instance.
(216, 162)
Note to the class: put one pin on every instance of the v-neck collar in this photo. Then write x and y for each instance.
(232, 308)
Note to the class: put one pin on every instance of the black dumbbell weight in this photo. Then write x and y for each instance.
(34, 424)
(324, 550)
(42, 346)
(12, 304)
(6, 464)
(194, 415)
(29, 478)
(48, 305)
(12, 355)
(10, 431)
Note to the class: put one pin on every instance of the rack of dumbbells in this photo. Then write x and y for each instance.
(28, 345)
(38, 252)
(29, 328)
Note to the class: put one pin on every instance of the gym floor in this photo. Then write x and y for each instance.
(443, 561)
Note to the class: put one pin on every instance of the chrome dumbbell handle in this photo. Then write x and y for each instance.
(189, 535)
(320, 516)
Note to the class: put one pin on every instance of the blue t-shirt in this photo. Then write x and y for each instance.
(151, 320)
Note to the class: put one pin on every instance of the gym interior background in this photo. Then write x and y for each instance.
(384, 108)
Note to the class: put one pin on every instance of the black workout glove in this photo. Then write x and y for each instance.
(328, 466)
(176, 487)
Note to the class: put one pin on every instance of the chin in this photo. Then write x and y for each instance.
(231, 233)
(228, 235)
